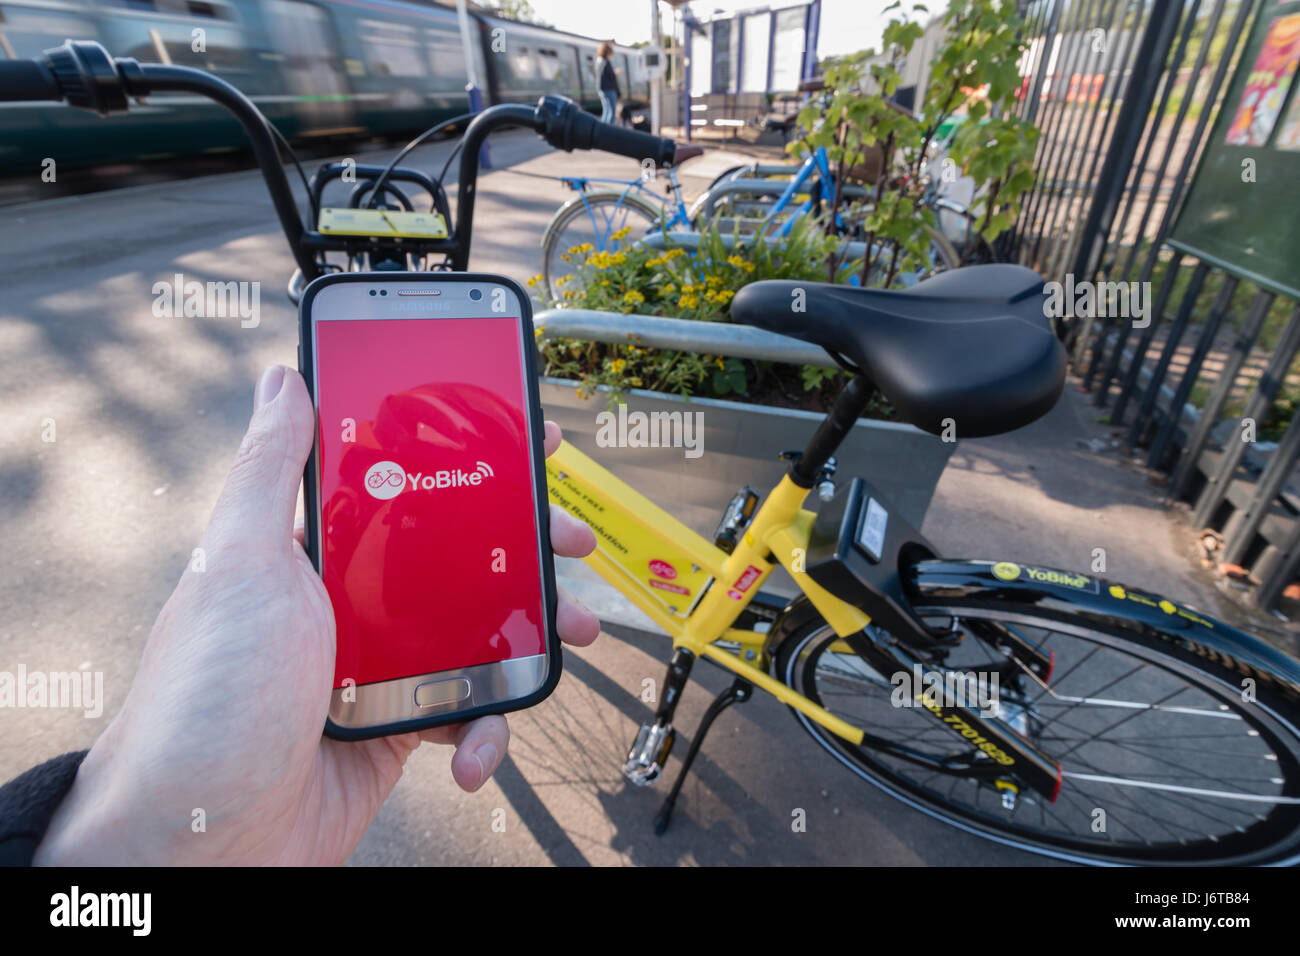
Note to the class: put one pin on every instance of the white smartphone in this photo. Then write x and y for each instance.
(426, 501)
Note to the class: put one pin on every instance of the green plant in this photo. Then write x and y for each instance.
(698, 285)
(975, 72)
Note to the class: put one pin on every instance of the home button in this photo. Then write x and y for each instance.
(436, 693)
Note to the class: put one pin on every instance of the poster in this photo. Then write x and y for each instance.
(1267, 85)
(1288, 138)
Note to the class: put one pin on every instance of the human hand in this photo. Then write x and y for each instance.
(225, 713)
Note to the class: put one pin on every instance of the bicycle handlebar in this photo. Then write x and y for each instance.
(84, 74)
(27, 80)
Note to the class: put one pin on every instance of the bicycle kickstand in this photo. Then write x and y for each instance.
(739, 692)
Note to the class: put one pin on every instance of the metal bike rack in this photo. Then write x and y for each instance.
(684, 335)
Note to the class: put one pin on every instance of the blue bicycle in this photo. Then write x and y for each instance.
(744, 201)
(611, 218)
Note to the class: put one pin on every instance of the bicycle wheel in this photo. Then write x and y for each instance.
(593, 221)
(1154, 741)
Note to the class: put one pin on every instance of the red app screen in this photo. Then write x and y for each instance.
(428, 527)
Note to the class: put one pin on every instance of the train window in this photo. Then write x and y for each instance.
(553, 70)
(30, 32)
(522, 64)
(391, 49)
(198, 9)
(447, 59)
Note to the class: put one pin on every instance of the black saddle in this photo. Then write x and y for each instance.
(973, 345)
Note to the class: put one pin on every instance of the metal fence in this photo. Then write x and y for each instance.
(1124, 93)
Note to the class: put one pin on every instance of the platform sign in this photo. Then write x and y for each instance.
(1240, 212)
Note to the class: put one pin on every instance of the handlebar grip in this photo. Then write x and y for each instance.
(27, 80)
(566, 125)
(632, 144)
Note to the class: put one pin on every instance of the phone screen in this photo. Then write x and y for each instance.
(428, 524)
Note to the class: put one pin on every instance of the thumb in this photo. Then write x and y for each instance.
(257, 505)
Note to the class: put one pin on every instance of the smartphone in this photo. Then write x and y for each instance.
(425, 498)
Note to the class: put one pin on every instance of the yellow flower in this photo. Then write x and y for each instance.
(740, 262)
(561, 280)
(720, 363)
(713, 281)
(688, 302)
(603, 260)
(670, 288)
(534, 280)
(725, 296)
(673, 253)
(617, 365)
(633, 296)
(622, 233)
(537, 332)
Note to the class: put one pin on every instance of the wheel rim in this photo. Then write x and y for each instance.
(595, 223)
(1113, 742)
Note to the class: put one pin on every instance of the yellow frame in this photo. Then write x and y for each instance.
(628, 526)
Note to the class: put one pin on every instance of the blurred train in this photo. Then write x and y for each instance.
(334, 70)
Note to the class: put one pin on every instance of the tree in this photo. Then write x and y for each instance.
(520, 11)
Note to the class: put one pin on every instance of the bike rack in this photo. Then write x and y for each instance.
(682, 335)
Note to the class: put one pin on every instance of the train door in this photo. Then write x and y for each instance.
(303, 40)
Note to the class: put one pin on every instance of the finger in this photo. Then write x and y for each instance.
(258, 503)
(480, 747)
(575, 624)
(553, 438)
(570, 538)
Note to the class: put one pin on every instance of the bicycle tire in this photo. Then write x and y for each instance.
(555, 243)
(1272, 840)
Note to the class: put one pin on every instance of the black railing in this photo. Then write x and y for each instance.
(1125, 93)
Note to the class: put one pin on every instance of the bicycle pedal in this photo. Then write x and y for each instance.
(645, 761)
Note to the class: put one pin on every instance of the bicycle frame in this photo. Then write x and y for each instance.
(708, 589)
(816, 163)
(579, 183)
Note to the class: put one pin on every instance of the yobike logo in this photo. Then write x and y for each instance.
(388, 479)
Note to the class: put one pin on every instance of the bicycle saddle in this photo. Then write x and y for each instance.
(971, 344)
(684, 152)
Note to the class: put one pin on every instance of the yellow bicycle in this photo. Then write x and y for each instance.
(1022, 704)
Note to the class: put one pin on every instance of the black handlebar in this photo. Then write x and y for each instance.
(27, 80)
(86, 76)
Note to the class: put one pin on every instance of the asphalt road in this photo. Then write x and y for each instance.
(98, 524)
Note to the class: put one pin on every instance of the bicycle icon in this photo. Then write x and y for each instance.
(393, 478)
(385, 480)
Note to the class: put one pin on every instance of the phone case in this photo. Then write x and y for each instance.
(312, 517)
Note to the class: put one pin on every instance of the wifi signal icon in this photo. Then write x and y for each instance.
(484, 469)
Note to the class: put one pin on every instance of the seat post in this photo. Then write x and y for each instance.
(848, 408)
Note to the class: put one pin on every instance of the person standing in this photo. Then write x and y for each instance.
(608, 82)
